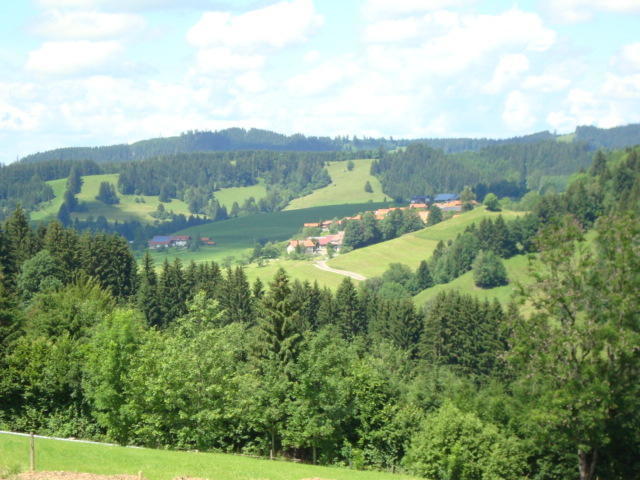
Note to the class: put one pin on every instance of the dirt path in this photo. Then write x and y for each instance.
(322, 265)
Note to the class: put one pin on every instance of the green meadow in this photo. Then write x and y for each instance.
(297, 270)
(346, 186)
(517, 272)
(56, 455)
(411, 248)
(226, 196)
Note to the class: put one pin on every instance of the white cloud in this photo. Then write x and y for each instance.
(251, 82)
(322, 78)
(546, 83)
(446, 43)
(384, 9)
(275, 26)
(622, 87)
(68, 58)
(581, 10)
(600, 108)
(509, 68)
(628, 58)
(124, 5)
(517, 114)
(213, 60)
(88, 25)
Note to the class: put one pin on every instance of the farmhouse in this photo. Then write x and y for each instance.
(445, 197)
(317, 245)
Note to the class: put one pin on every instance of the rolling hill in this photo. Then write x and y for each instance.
(347, 186)
(411, 248)
(129, 208)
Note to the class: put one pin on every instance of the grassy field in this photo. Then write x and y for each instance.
(226, 196)
(516, 271)
(346, 186)
(128, 208)
(411, 248)
(49, 209)
(55, 455)
(238, 235)
(297, 270)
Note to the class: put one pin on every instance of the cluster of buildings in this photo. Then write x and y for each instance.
(447, 202)
(179, 241)
(317, 245)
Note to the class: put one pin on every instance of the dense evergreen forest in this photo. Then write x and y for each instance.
(234, 139)
(93, 346)
(506, 170)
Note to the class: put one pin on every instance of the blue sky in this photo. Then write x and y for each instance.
(94, 72)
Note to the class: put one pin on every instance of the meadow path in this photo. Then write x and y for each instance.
(322, 265)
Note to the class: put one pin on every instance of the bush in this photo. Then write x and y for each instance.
(492, 203)
(488, 270)
(455, 444)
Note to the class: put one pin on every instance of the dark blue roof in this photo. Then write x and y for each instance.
(445, 197)
(161, 238)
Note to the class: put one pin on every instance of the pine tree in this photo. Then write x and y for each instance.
(74, 181)
(8, 266)
(349, 315)
(22, 239)
(423, 276)
(279, 322)
(367, 187)
(147, 296)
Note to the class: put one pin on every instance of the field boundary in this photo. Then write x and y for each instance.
(20, 434)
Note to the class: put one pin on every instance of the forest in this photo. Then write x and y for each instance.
(195, 357)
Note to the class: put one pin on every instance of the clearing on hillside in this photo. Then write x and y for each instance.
(347, 186)
(60, 455)
(131, 207)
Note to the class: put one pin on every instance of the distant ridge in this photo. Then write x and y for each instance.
(237, 139)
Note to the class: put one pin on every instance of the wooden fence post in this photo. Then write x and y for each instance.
(32, 453)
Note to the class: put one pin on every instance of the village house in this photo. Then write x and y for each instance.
(317, 245)
(178, 241)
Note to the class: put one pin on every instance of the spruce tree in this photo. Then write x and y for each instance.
(279, 322)
(147, 296)
(22, 239)
(350, 319)
(423, 276)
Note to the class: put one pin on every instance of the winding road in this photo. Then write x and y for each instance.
(322, 265)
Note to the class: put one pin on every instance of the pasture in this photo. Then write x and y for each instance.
(56, 455)
(346, 187)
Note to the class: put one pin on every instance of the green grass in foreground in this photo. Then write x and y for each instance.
(165, 464)
(346, 186)
(411, 248)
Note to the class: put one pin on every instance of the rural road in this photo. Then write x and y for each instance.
(322, 265)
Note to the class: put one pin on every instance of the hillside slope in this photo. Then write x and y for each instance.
(347, 186)
(411, 248)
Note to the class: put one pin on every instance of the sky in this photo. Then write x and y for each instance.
(98, 72)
